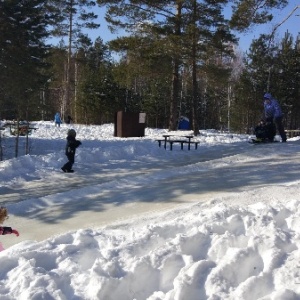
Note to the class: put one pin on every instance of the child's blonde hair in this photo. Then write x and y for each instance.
(3, 214)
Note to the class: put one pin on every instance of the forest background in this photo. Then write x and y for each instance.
(176, 58)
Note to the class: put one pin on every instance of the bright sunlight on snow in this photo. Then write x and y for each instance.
(136, 221)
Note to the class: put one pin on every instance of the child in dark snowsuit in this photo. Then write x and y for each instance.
(265, 131)
(71, 146)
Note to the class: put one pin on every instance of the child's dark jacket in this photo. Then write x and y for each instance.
(265, 131)
(71, 146)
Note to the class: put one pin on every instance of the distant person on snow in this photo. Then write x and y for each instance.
(3, 229)
(71, 146)
(69, 120)
(57, 119)
(272, 113)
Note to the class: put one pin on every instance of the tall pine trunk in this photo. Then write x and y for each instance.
(195, 97)
(67, 99)
(175, 77)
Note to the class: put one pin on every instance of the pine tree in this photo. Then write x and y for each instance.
(188, 31)
(23, 27)
(173, 23)
(286, 79)
(74, 16)
(97, 93)
(207, 41)
(248, 13)
(145, 74)
(273, 68)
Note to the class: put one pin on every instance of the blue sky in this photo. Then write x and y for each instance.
(292, 25)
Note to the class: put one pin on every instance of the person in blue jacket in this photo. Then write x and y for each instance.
(71, 146)
(57, 119)
(272, 113)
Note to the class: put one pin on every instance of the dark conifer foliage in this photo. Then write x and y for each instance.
(247, 13)
(269, 67)
(181, 30)
(97, 92)
(72, 17)
(23, 27)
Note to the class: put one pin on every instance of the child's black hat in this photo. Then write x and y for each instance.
(72, 132)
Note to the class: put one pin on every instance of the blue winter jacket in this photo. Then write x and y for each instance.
(272, 109)
(57, 118)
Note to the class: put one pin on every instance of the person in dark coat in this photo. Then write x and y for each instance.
(273, 112)
(71, 146)
(69, 120)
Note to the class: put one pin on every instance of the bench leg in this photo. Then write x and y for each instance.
(181, 145)
(159, 144)
(171, 146)
(189, 146)
(196, 146)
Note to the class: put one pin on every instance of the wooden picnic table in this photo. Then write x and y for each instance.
(182, 139)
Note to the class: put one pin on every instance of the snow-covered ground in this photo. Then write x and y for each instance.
(136, 221)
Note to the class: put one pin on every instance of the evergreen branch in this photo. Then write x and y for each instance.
(159, 11)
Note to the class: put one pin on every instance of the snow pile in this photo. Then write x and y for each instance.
(136, 221)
